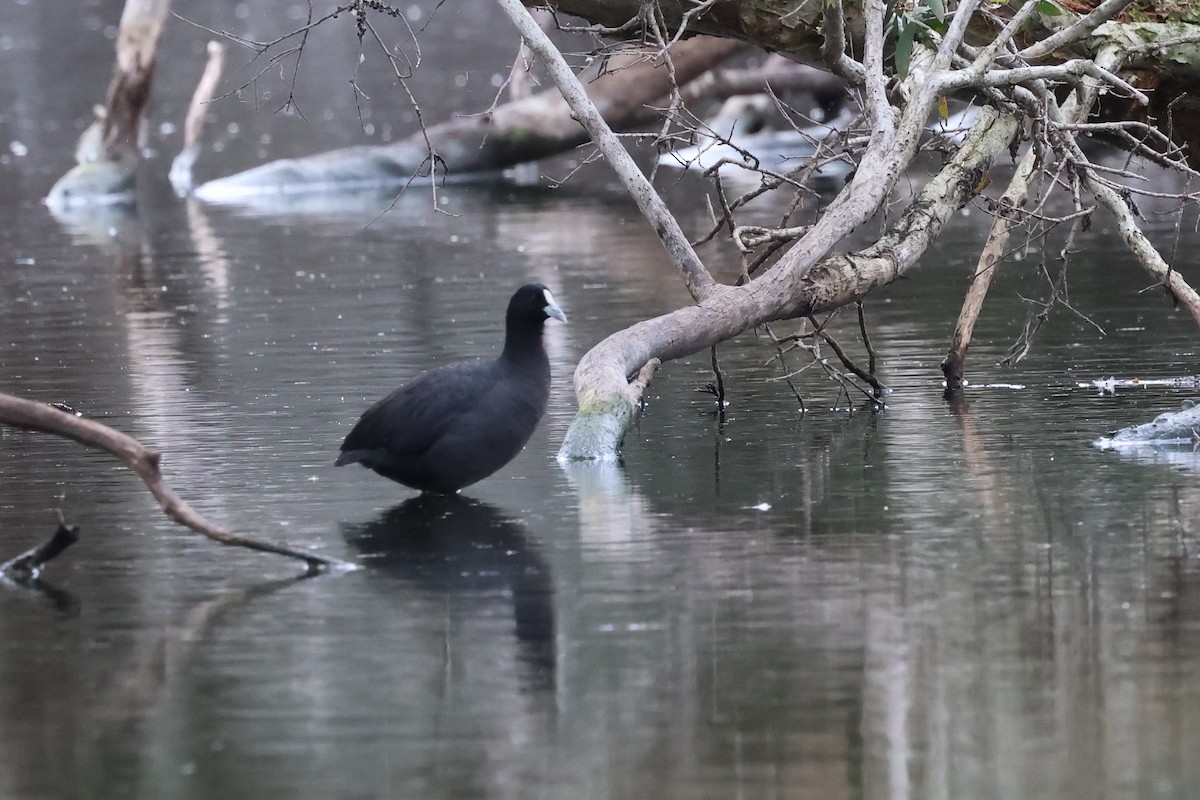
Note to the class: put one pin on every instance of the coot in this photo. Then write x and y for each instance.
(458, 424)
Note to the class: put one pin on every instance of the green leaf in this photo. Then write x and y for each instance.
(904, 49)
(1048, 9)
(938, 7)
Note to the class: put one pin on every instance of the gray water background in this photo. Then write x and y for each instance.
(907, 604)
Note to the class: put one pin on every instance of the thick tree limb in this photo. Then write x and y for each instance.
(1007, 217)
(601, 385)
(1127, 225)
(33, 416)
(1076, 31)
(1141, 246)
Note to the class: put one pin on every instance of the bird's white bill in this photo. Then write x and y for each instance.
(552, 309)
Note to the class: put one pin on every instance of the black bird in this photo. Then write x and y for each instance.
(458, 424)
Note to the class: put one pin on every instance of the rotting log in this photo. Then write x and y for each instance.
(193, 126)
(512, 133)
(1171, 428)
(110, 149)
(30, 415)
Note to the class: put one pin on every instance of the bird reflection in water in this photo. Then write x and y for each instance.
(461, 546)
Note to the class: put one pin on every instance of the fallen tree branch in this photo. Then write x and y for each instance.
(607, 399)
(27, 414)
(804, 280)
(510, 134)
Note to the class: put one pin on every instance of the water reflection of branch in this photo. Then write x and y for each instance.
(139, 687)
(980, 466)
(611, 510)
(210, 252)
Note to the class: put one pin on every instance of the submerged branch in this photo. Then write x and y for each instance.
(181, 168)
(29, 563)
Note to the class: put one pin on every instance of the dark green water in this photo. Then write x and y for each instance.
(908, 604)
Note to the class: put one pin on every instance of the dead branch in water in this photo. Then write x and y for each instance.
(34, 416)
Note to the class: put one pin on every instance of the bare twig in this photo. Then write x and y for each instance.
(717, 389)
(986, 56)
(781, 355)
(878, 390)
(866, 337)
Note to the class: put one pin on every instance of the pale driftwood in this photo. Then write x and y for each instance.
(30, 415)
(110, 150)
(510, 134)
(193, 126)
(607, 400)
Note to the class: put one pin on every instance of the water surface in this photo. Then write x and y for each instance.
(914, 603)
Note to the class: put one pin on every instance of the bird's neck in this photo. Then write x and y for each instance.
(523, 342)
